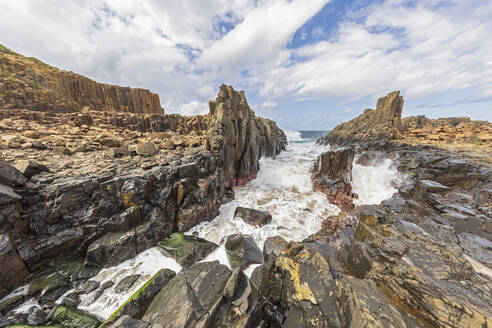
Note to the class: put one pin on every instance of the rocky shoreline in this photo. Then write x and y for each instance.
(83, 190)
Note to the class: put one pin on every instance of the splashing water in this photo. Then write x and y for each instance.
(145, 264)
(373, 184)
(284, 189)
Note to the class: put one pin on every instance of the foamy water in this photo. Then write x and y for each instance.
(147, 264)
(283, 188)
(375, 183)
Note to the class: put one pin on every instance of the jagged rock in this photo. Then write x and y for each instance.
(42, 87)
(130, 218)
(8, 196)
(381, 124)
(137, 304)
(252, 216)
(112, 249)
(61, 150)
(13, 270)
(186, 250)
(84, 207)
(88, 286)
(29, 168)
(242, 251)
(298, 289)
(186, 299)
(49, 287)
(120, 151)
(332, 175)
(126, 321)
(240, 137)
(167, 144)
(10, 176)
(419, 270)
(37, 317)
(146, 149)
(206, 294)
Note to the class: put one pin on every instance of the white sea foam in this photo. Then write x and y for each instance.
(21, 291)
(374, 184)
(284, 189)
(146, 264)
(27, 306)
(293, 135)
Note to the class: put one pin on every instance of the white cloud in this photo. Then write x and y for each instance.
(422, 50)
(184, 49)
(194, 108)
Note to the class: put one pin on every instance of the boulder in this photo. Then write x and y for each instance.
(62, 150)
(204, 295)
(186, 299)
(29, 168)
(8, 195)
(167, 144)
(185, 249)
(242, 251)
(10, 176)
(252, 216)
(126, 321)
(146, 149)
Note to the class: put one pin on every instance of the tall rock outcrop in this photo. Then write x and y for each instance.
(382, 123)
(26, 82)
(240, 137)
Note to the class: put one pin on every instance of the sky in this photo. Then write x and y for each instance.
(308, 64)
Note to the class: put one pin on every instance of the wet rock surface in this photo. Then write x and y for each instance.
(186, 250)
(332, 175)
(252, 216)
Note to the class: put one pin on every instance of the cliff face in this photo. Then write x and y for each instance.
(111, 185)
(30, 84)
(382, 123)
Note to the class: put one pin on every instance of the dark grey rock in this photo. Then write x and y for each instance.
(242, 251)
(253, 216)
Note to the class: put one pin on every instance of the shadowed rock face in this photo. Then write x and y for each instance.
(332, 175)
(382, 123)
(31, 84)
(240, 136)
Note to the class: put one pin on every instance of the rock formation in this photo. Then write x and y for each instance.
(332, 175)
(107, 174)
(31, 84)
(382, 123)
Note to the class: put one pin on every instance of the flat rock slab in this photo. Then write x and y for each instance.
(252, 216)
